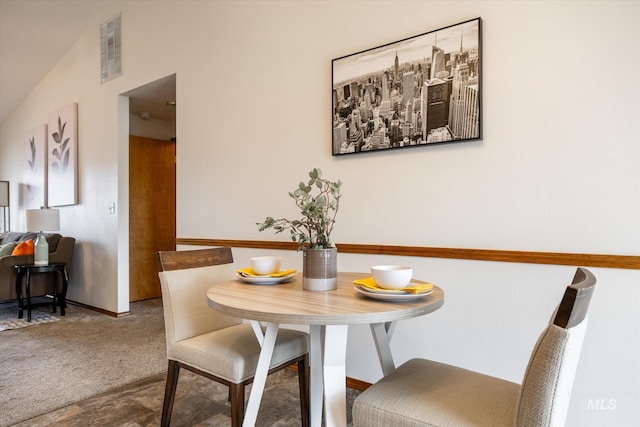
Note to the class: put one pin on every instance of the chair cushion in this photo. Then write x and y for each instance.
(11, 236)
(28, 236)
(232, 353)
(23, 248)
(7, 248)
(427, 393)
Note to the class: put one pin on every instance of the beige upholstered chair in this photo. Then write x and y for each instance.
(212, 344)
(427, 393)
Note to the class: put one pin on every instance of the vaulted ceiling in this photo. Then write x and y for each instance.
(34, 36)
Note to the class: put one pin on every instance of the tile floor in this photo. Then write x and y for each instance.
(199, 402)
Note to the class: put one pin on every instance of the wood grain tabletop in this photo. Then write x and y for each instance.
(290, 303)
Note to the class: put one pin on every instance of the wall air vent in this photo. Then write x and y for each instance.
(110, 49)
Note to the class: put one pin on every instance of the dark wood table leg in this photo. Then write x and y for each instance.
(59, 298)
(27, 286)
(65, 284)
(19, 274)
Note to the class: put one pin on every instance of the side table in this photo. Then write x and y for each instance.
(26, 271)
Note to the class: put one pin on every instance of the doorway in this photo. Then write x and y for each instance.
(152, 212)
(152, 183)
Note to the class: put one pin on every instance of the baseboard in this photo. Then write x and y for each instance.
(357, 384)
(351, 382)
(99, 310)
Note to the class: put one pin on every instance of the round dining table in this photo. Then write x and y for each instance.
(328, 314)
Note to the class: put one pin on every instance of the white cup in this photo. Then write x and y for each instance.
(265, 264)
(391, 276)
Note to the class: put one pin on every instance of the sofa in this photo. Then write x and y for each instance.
(60, 251)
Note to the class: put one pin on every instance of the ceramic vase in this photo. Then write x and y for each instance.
(320, 269)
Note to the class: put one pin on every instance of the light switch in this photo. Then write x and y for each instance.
(112, 208)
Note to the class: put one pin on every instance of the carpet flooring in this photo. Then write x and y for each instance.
(47, 366)
(89, 369)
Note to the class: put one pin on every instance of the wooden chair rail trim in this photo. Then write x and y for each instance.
(552, 258)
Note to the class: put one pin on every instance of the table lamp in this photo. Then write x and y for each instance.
(41, 220)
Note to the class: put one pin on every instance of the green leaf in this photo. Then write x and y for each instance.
(317, 209)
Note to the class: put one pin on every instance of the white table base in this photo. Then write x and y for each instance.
(334, 373)
(267, 342)
(328, 351)
(382, 333)
(316, 352)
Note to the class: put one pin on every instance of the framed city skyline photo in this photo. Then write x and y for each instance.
(419, 91)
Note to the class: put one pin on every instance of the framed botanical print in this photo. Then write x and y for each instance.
(62, 153)
(33, 192)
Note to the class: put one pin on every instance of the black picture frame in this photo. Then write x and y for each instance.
(374, 109)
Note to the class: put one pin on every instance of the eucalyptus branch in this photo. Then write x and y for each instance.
(318, 213)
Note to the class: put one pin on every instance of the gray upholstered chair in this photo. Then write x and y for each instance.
(212, 344)
(427, 393)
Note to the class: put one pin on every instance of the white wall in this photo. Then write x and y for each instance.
(556, 170)
(151, 128)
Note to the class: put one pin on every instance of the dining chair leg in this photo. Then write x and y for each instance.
(236, 393)
(303, 382)
(173, 371)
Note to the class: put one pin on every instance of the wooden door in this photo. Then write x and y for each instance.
(152, 212)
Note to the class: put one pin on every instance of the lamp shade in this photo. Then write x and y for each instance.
(43, 219)
(4, 193)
